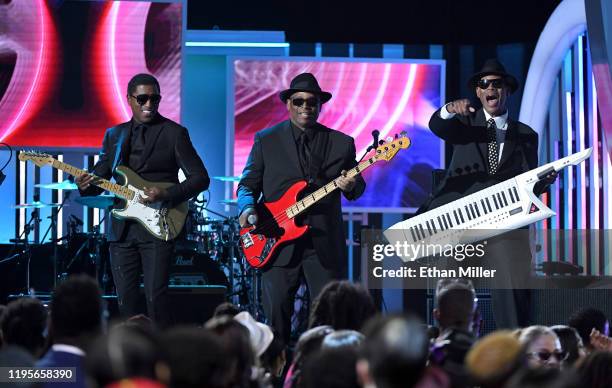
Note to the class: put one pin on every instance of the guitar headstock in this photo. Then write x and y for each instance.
(38, 158)
(387, 150)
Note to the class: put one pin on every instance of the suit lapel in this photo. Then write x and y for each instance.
(121, 149)
(288, 143)
(509, 142)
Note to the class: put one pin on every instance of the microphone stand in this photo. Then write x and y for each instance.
(374, 145)
(53, 226)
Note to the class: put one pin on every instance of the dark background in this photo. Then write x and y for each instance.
(379, 21)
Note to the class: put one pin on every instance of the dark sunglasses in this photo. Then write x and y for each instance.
(142, 99)
(310, 102)
(497, 83)
(546, 355)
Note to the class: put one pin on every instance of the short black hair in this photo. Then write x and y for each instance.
(455, 305)
(76, 308)
(23, 322)
(342, 305)
(587, 319)
(142, 79)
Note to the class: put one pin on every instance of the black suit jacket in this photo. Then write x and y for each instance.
(273, 166)
(467, 170)
(168, 149)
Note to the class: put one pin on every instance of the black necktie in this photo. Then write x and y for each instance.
(304, 152)
(493, 147)
(137, 146)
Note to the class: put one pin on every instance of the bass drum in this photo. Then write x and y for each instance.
(190, 268)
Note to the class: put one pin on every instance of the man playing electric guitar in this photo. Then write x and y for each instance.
(155, 148)
(294, 150)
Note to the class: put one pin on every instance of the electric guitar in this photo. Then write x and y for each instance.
(161, 221)
(277, 224)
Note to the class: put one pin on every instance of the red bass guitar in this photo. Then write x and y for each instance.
(277, 224)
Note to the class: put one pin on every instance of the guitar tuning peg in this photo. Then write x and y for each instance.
(396, 136)
(404, 133)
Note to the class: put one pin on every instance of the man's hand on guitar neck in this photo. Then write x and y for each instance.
(154, 194)
(345, 183)
(84, 181)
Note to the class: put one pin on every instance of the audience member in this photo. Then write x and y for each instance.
(226, 308)
(543, 378)
(236, 341)
(595, 370)
(542, 347)
(76, 319)
(260, 334)
(600, 341)
(126, 352)
(585, 320)
(15, 357)
(308, 344)
(394, 353)
(199, 358)
(494, 359)
(23, 324)
(571, 344)
(342, 305)
(273, 360)
(2, 309)
(455, 312)
(343, 339)
(332, 367)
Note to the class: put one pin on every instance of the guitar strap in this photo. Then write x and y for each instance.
(317, 155)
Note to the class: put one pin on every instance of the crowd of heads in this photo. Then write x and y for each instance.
(348, 344)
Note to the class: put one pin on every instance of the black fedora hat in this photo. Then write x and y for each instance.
(494, 67)
(305, 82)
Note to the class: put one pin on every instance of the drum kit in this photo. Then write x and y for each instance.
(207, 252)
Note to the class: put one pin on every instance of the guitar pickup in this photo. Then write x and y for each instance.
(247, 240)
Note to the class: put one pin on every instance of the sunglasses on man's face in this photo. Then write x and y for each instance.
(496, 82)
(310, 102)
(142, 99)
(545, 355)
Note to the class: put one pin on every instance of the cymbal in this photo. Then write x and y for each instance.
(99, 201)
(36, 205)
(228, 178)
(230, 202)
(63, 185)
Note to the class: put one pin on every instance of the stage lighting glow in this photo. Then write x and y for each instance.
(237, 44)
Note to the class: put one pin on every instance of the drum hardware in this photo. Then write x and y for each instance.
(102, 201)
(63, 185)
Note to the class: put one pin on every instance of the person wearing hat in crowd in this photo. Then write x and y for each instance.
(490, 147)
(300, 149)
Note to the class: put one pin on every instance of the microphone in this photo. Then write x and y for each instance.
(375, 134)
(252, 219)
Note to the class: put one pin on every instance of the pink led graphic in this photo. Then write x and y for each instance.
(56, 98)
(389, 97)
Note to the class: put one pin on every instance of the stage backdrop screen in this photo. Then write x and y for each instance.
(65, 65)
(368, 95)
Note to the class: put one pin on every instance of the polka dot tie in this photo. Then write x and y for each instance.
(493, 147)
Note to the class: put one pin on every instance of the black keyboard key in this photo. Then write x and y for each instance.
(503, 195)
(414, 238)
(476, 209)
(512, 200)
(456, 218)
(422, 230)
(495, 202)
(450, 222)
(484, 206)
(469, 215)
(488, 204)
(516, 194)
(461, 215)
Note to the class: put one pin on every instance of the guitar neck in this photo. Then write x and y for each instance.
(105, 184)
(312, 198)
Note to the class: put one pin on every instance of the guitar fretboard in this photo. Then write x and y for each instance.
(107, 185)
(329, 188)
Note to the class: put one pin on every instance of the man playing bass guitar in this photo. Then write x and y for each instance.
(300, 149)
